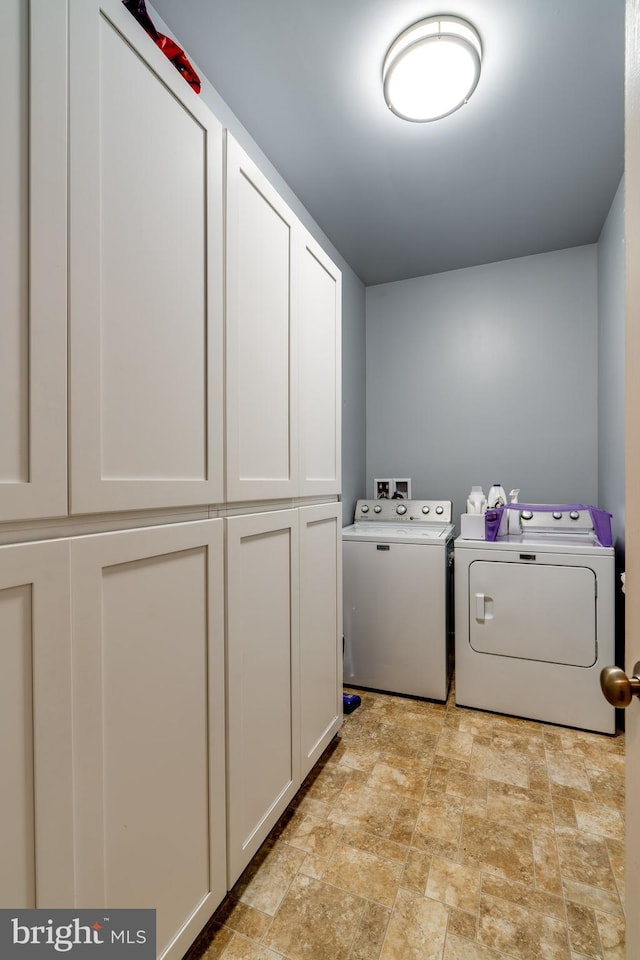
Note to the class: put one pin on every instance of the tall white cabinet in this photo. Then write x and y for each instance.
(170, 635)
(33, 264)
(149, 725)
(263, 665)
(283, 322)
(146, 284)
(36, 826)
(261, 359)
(320, 624)
(318, 289)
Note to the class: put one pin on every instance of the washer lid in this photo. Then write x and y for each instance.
(399, 533)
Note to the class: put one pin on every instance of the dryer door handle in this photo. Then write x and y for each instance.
(484, 607)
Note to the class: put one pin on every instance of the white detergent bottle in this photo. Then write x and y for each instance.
(476, 501)
(514, 515)
(496, 496)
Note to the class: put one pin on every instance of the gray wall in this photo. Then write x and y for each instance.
(611, 379)
(487, 374)
(353, 396)
(353, 299)
(611, 328)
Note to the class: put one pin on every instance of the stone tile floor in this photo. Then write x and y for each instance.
(435, 832)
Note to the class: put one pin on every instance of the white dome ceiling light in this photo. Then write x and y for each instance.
(432, 68)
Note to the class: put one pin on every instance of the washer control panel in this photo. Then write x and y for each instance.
(415, 511)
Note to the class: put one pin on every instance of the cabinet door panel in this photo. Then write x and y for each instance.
(318, 285)
(33, 260)
(36, 827)
(149, 724)
(320, 629)
(261, 350)
(146, 273)
(262, 688)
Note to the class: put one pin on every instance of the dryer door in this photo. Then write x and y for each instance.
(533, 611)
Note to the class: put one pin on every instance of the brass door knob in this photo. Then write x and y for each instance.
(618, 688)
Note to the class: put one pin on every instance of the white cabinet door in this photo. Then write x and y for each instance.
(33, 259)
(36, 826)
(318, 286)
(148, 684)
(261, 348)
(320, 629)
(263, 758)
(146, 279)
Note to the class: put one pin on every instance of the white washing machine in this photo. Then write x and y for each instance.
(397, 598)
(534, 620)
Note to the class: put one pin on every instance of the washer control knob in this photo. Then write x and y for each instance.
(377, 508)
(574, 515)
(527, 515)
(439, 510)
(425, 510)
(557, 515)
(401, 508)
(365, 508)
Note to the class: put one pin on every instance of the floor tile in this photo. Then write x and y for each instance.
(457, 948)
(366, 808)
(585, 858)
(502, 849)
(583, 930)
(611, 931)
(416, 930)
(607, 787)
(546, 863)
(568, 776)
(491, 763)
(523, 895)
(416, 871)
(371, 933)
(519, 806)
(405, 821)
(462, 924)
(313, 866)
(315, 921)
(439, 823)
(464, 785)
(600, 900)
(388, 849)
(455, 745)
(266, 880)
(318, 837)
(456, 884)
(243, 918)
(600, 819)
(243, 949)
(364, 874)
(407, 776)
(514, 743)
(564, 813)
(617, 858)
(520, 932)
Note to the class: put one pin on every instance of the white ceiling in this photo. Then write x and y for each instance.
(530, 164)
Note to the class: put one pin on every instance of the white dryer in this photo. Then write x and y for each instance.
(397, 618)
(534, 620)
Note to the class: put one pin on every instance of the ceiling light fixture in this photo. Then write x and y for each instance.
(432, 68)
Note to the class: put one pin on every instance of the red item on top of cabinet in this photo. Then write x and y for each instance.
(171, 50)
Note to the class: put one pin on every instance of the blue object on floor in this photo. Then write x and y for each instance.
(350, 701)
